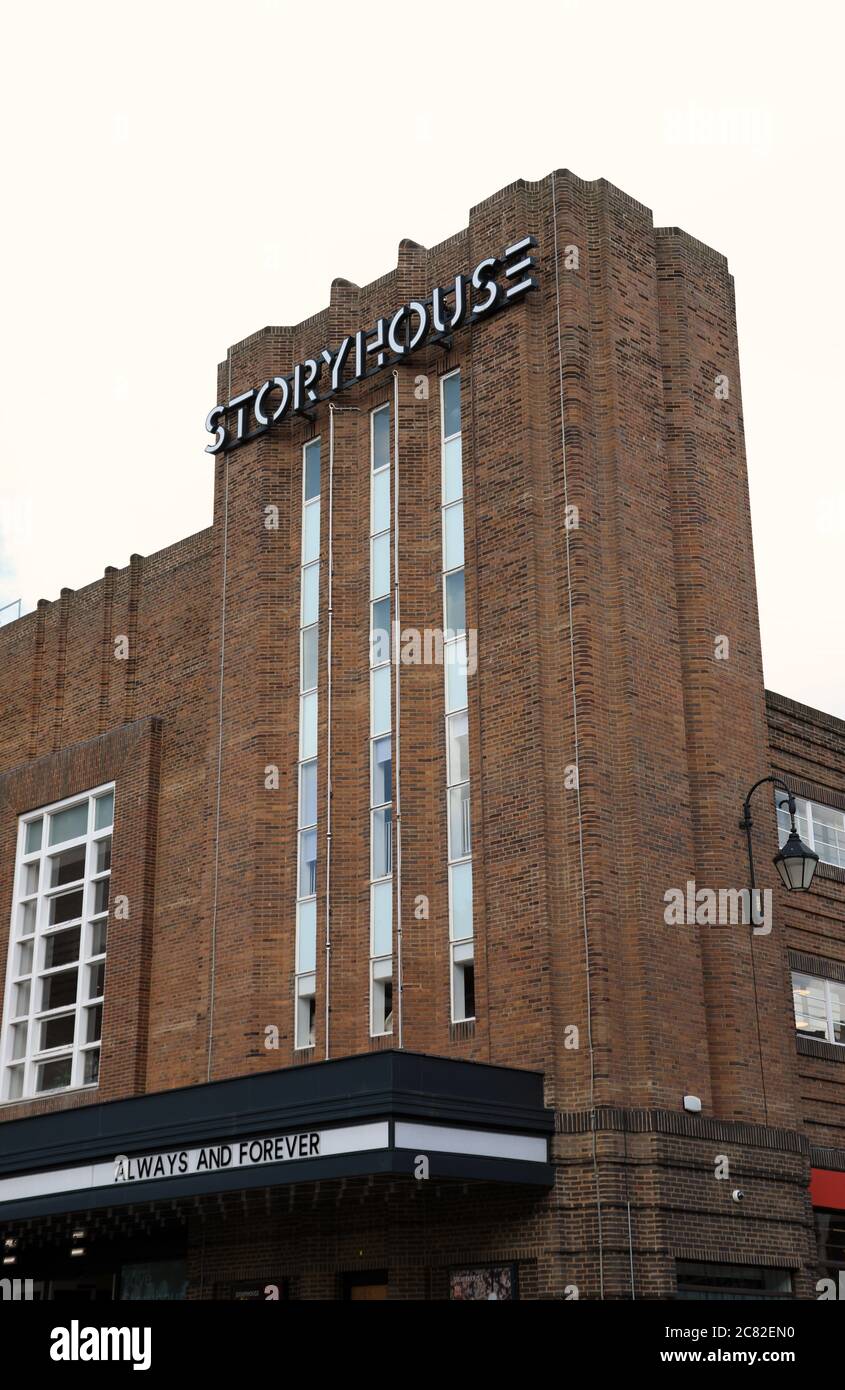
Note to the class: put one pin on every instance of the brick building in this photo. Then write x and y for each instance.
(491, 549)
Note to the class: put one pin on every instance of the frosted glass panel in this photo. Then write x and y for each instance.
(310, 594)
(380, 700)
(311, 533)
(456, 675)
(381, 502)
(308, 725)
(460, 900)
(453, 481)
(312, 469)
(67, 825)
(453, 537)
(381, 437)
(306, 937)
(452, 404)
(382, 918)
(380, 567)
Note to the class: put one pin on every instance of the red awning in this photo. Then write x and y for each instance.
(827, 1188)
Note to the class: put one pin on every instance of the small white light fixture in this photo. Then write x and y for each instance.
(10, 1243)
(10, 1259)
(77, 1250)
(78, 1235)
(693, 1104)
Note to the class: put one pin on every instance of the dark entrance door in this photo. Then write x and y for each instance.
(366, 1284)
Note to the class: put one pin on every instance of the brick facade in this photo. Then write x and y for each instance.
(614, 389)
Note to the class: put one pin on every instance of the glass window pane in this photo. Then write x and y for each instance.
(306, 937)
(61, 948)
(380, 565)
(380, 520)
(102, 855)
(453, 478)
(308, 794)
(381, 437)
(56, 1032)
(96, 979)
(306, 986)
(307, 863)
(460, 901)
(379, 631)
(91, 1067)
(382, 863)
(100, 897)
(310, 594)
(829, 834)
(381, 900)
(456, 674)
(380, 700)
(93, 1024)
(456, 613)
(458, 736)
(65, 907)
(810, 1007)
(308, 726)
(27, 922)
(34, 830)
(309, 657)
(15, 1083)
(312, 469)
(460, 838)
(382, 764)
(69, 824)
(29, 882)
(451, 404)
(837, 1004)
(20, 1000)
(50, 1076)
(19, 1032)
(99, 932)
(24, 959)
(58, 991)
(311, 533)
(453, 536)
(67, 867)
(104, 811)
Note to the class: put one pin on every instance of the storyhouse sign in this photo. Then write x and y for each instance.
(495, 283)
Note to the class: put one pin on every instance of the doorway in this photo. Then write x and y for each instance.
(365, 1284)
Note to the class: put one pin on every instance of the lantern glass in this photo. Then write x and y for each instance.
(796, 863)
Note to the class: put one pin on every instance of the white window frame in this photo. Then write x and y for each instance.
(88, 921)
(461, 949)
(828, 1007)
(381, 966)
(305, 981)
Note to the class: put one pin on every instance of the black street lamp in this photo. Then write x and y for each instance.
(796, 862)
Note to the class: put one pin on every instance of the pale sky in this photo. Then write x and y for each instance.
(178, 175)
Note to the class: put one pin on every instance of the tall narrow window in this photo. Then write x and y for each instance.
(381, 778)
(57, 948)
(459, 826)
(306, 859)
